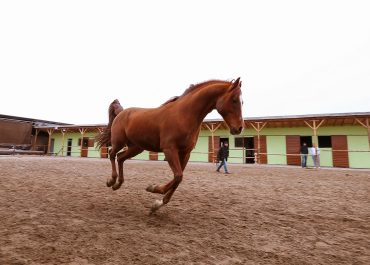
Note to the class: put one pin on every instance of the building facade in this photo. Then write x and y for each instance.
(343, 139)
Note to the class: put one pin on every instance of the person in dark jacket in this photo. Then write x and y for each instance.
(304, 154)
(222, 156)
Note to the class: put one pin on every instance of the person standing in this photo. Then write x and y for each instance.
(223, 154)
(315, 153)
(304, 154)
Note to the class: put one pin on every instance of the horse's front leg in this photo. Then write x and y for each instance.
(184, 158)
(173, 159)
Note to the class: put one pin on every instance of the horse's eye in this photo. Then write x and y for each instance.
(235, 100)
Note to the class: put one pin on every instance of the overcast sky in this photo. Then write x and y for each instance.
(67, 60)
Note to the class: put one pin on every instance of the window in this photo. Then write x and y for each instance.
(239, 142)
(86, 142)
(91, 142)
(307, 140)
(224, 140)
(325, 141)
(246, 142)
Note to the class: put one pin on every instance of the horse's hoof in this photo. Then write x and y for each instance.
(109, 183)
(116, 186)
(156, 205)
(150, 188)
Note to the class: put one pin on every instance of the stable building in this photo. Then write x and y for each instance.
(18, 135)
(344, 140)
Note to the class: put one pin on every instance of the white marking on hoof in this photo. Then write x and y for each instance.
(156, 205)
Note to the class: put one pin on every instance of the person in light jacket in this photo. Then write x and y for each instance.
(315, 153)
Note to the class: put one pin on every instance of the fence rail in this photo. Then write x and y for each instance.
(76, 151)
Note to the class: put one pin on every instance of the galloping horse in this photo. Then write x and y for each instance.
(172, 128)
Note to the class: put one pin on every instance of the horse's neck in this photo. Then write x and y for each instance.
(202, 102)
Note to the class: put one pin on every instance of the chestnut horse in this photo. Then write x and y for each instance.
(172, 128)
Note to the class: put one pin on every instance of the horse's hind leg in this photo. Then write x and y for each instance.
(112, 157)
(122, 157)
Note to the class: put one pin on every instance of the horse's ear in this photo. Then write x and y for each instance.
(235, 84)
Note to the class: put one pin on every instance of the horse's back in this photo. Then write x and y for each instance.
(144, 127)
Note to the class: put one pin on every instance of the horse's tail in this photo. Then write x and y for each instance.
(104, 138)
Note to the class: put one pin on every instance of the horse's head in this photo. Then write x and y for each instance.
(229, 105)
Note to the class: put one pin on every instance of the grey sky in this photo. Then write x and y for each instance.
(67, 60)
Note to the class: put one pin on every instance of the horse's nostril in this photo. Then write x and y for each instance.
(240, 129)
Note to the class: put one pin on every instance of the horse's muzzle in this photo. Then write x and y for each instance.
(235, 131)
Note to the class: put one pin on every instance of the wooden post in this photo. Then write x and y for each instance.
(82, 131)
(259, 125)
(367, 126)
(35, 140)
(314, 127)
(213, 129)
(50, 132)
(63, 132)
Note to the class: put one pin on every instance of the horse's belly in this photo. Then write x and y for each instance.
(145, 142)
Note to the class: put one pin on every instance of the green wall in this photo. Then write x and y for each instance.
(357, 138)
(276, 145)
(360, 155)
(76, 148)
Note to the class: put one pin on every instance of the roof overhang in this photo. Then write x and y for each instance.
(340, 119)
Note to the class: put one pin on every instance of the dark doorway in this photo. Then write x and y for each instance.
(52, 143)
(249, 150)
(248, 144)
(69, 147)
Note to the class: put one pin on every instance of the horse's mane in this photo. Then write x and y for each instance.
(192, 88)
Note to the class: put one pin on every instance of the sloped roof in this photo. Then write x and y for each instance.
(331, 119)
(35, 122)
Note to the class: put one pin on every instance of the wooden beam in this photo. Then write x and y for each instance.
(366, 125)
(82, 131)
(50, 132)
(35, 140)
(213, 129)
(63, 133)
(315, 125)
(258, 127)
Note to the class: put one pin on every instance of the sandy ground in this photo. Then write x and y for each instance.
(59, 211)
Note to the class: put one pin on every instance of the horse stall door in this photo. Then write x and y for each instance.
(85, 147)
(293, 145)
(153, 155)
(104, 151)
(340, 151)
(249, 149)
(212, 152)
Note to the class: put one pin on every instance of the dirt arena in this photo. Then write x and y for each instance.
(59, 211)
